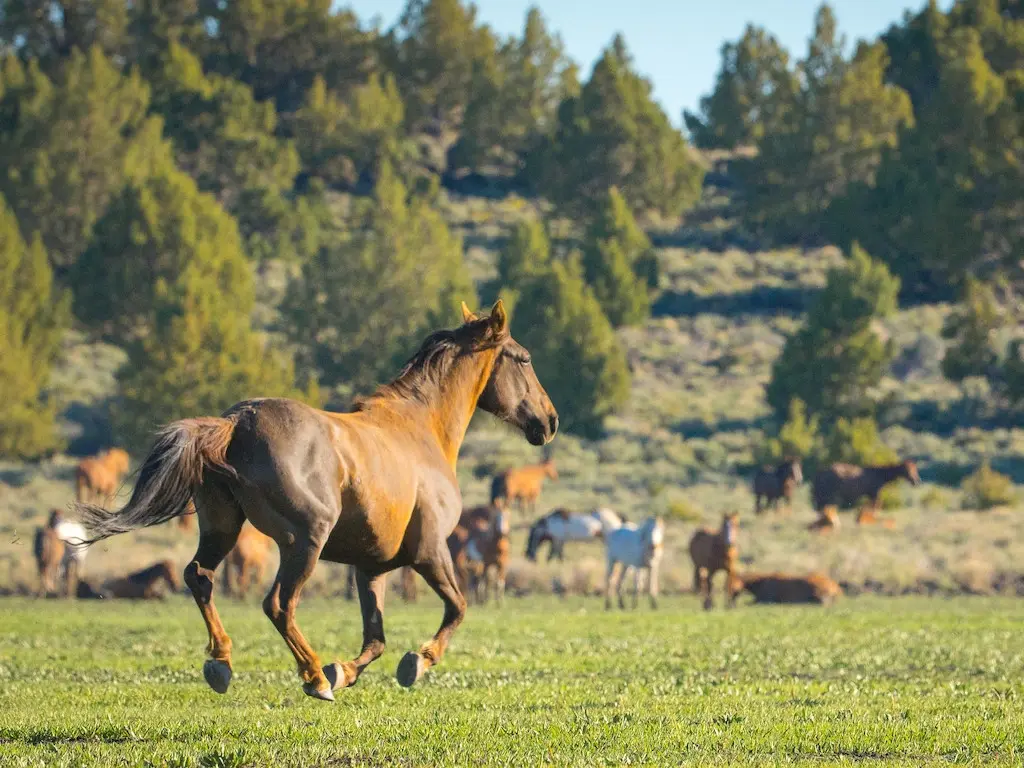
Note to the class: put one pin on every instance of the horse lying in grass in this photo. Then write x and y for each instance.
(638, 548)
(784, 588)
(844, 485)
(561, 526)
(375, 488)
(97, 477)
(714, 551)
(522, 485)
(775, 483)
(147, 584)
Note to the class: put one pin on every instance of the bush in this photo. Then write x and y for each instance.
(797, 438)
(683, 512)
(856, 442)
(986, 489)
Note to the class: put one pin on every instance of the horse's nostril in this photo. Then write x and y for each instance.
(553, 423)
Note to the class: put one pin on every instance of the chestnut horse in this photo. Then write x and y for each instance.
(713, 551)
(143, 585)
(487, 555)
(522, 485)
(375, 488)
(471, 521)
(248, 561)
(48, 548)
(97, 477)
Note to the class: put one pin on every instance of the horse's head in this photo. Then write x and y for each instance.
(512, 392)
(910, 472)
(549, 469)
(538, 535)
(730, 527)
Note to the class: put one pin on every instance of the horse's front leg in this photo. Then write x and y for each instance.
(342, 674)
(439, 573)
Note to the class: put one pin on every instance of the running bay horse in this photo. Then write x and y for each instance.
(375, 488)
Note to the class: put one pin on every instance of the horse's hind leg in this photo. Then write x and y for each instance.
(342, 674)
(220, 521)
(611, 582)
(704, 576)
(440, 575)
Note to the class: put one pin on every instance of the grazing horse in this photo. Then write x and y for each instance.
(784, 588)
(375, 488)
(97, 477)
(522, 485)
(146, 584)
(713, 551)
(60, 548)
(638, 548)
(487, 555)
(561, 526)
(828, 521)
(247, 561)
(844, 485)
(776, 483)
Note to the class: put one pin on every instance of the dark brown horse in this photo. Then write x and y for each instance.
(522, 485)
(48, 549)
(844, 485)
(375, 488)
(472, 521)
(775, 483)
(147, 584)
(784, 588)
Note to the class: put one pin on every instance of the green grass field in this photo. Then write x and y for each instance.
(903, 681)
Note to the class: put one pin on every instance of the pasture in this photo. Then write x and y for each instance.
(897, 681)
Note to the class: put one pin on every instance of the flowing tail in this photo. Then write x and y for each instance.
(183, 449)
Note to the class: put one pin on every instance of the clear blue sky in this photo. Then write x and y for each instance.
(674, 42)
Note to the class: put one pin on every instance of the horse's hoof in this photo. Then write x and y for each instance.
(324, 694)
(410, 669)
(338, 676)
(217, 674)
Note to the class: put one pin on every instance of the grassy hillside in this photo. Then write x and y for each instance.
(684, 446)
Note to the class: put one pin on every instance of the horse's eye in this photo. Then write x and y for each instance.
(524, 360)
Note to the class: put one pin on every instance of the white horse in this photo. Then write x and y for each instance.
(637, 547)
(561, 526)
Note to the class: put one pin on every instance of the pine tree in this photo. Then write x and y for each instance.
(64, 144)
(367, 299)
(526, 254)
(753, 90)
(835, 361)
(573, 346)
(615, 135)
(856, 441)
(157, 227)
(49, 31)
(343, 142)
(200, 358)
(619, 263)
(797, 437)
(33, 317)
(972, 329)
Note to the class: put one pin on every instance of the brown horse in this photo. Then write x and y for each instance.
(473, 520)
(487, 555)
(713, 551)
(522, 485)
(844, 485)
(247, 561)
(97, 477)
(48, 549)
(147, 584)
(775, 483)
(784, 588)
(375, 488)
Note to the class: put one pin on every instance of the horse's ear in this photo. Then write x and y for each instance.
(499, 318)
(467, 314)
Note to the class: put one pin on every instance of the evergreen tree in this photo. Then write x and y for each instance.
(33, 317)
(574, 349)
(157, 227)
(972, 329)
(797, 437)
(526, 254)
(50, 30)
(343, 142)
(64, 145)
(200, 358)
(753, 90)
(615, 135)
(365, 301)
(856, 441)
(619, 263)
(835, 361)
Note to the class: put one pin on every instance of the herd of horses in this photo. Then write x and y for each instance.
(375, 488)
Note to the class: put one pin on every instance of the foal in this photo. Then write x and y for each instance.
(375, 488)
(714, 551)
